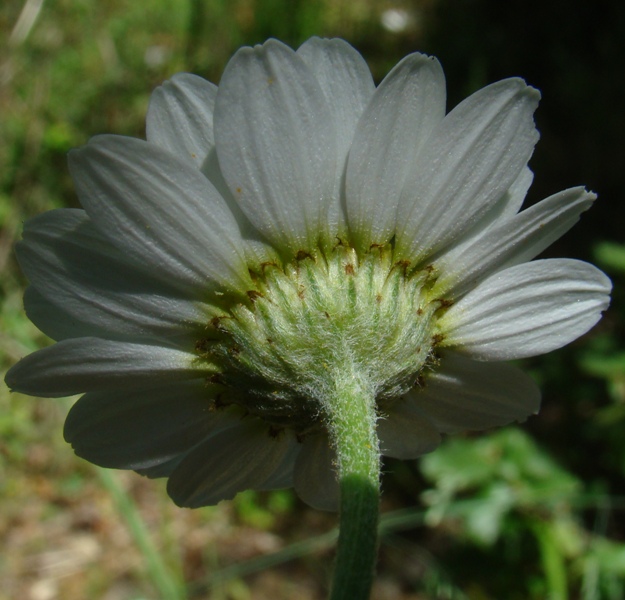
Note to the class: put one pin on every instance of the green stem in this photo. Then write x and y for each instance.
(352, 429)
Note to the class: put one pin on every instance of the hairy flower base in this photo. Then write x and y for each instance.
(281, 353)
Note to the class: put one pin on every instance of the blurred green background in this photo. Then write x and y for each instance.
(535, 511)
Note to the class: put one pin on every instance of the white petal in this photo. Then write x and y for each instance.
(276, 144)
(92, 364)
(63, 320)
(91, 288)
(348, 86)
(512, 241)
(407, 432)
(282, 476)
(227, 463)
(471, 159)
(315, 474)
(180, 117)
(407, 106)
(464, 395)
(53, 320)
(527, 310)
(515, 196)
(212, 171)
(506, 207)
(345, 80)
(164, 469)
(160, 209)
(258, 253)
(138, 429)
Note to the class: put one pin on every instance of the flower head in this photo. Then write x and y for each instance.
(284, 234)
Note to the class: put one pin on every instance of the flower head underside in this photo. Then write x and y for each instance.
(292, 229)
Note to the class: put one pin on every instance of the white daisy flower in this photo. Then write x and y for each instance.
(290, 233)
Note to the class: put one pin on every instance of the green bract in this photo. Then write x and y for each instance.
(279, 353)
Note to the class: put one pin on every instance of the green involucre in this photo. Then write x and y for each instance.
(281, 353)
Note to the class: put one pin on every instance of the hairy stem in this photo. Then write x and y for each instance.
(352, 428)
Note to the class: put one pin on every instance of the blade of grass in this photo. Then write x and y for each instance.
(260, 563)
(25, 22)
(390, 522)
(552, 561)
(168, 585)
